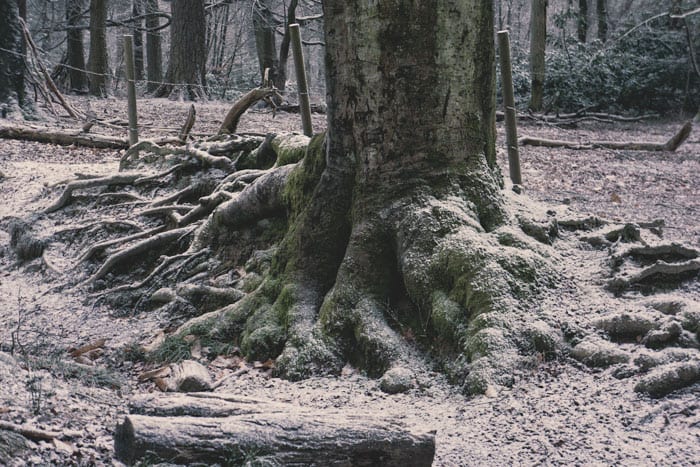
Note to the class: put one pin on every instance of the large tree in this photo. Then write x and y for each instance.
(154, 54)
(12, 91)
(188, 54)
(398, 228)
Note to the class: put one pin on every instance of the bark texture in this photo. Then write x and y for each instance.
(538, 42)
(11, 52)
(264, 433)
(74, 50)
(188, 55)
(98, 61)
(154, 54)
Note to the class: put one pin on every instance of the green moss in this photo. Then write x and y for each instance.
(290, 148)
(302, 181)
(173, 349)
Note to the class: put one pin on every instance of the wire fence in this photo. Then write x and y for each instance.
(209, 90)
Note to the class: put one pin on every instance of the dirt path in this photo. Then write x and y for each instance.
(560, 412)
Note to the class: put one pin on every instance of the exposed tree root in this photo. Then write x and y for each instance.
(152, 243)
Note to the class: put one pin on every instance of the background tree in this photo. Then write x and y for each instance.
(137, 11)
(188, 53)
(154, 54)
(12, 93)
(601, 9)
(582, 28)
(538, 42)
(75, 53)
(265, 42)
(98, 62)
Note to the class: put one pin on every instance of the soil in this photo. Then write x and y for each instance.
(559, 412)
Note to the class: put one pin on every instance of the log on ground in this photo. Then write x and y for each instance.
(269, 432)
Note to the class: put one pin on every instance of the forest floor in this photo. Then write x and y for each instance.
(562, 413)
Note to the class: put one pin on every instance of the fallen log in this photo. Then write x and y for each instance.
(64, 138)
(68, 138)
(671, 145)
(271, 433)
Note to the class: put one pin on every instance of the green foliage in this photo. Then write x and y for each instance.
(648, 70)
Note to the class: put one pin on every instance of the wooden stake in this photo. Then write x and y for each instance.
(509, 104)
(304, 104)
(131, 89)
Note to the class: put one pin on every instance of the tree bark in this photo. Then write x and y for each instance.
(538, 42)
(602, 15)
(137, 31)
(12, 92)
(188, 54)
(582, 21)
(265, 44)
(98, 62)
(154, 54)
(74, 50)
(271, 433)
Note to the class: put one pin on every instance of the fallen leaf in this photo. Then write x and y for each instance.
(63, 447)
(615, 198)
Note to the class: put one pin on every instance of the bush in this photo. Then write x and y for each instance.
(647, 70)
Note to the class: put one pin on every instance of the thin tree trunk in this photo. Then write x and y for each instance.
(98, 61)
(154, 54)
(538, 41)
(602, 14)
(281, 78)
(75, 50)
(12, 93)
(137, 10)
(265, 44)
(582, 21)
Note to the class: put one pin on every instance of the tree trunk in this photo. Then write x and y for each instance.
(538, 42)
(281, 78)
(265, 44)
(188, 54)
(264, 433)
(12, 93)
(602, 14)
(137, 31)
(154, 55)
(582, 21)
(394, 221)
(98, 61)
(74, 50)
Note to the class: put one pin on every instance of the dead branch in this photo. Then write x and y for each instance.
(187, 126)
(154, 242)
(671, 145)
(29, 432)
(88, 347)
(166, 209)
(233, 116)
(47, 76)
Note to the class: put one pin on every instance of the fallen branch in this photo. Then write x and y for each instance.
(230, 123)
(671, 145)
(29, 432)
(63, 138)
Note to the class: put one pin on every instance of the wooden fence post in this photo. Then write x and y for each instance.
(509, 104)
(304, 104)
(131, 89)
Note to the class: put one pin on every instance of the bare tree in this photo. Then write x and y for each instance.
(12, 93)
(154, 54)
